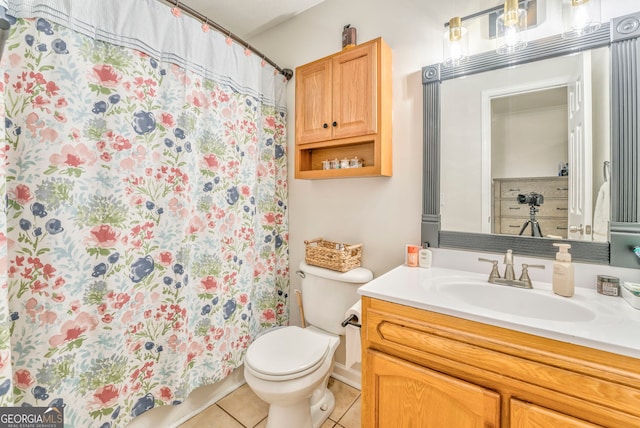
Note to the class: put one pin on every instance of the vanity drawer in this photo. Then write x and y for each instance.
(549, 187)
(512, 226)
(550, 208)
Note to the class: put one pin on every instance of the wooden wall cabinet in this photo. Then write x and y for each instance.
(422, 369)
(343, 110)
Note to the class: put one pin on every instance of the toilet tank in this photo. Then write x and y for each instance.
(327, 295)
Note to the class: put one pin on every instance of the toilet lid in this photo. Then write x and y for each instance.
(287, 351)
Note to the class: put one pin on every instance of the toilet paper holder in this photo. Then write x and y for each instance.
(351, 320)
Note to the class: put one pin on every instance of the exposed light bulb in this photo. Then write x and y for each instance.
(580, 17)
(511, 27)
(456, 50)
(511, 35)
(455, 43)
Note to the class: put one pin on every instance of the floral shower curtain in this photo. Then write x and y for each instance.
(144, 241)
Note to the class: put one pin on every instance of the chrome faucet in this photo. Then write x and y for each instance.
(509, 275)
(524, 276)
(494, 269)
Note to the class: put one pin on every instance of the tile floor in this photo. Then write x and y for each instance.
(243, 409)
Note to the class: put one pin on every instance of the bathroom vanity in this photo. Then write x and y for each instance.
(443, 348)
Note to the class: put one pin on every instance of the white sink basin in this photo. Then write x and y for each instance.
(517, 301)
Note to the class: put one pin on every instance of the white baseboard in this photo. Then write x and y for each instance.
(351, 377)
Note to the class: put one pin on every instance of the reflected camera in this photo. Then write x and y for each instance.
(532, 198)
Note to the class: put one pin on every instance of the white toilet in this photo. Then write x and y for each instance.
(289, 367)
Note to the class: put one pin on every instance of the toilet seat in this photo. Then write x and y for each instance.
(287, 353)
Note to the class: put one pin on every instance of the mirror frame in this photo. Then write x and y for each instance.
(622, 36)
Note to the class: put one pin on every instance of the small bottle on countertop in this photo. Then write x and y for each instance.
(412, 255)
(563, 282)
(425, 256)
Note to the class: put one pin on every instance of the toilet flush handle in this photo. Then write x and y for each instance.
(301, 274)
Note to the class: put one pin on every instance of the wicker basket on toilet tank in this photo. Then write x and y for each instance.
(332, 255)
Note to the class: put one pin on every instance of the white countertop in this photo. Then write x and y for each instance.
(602, 322)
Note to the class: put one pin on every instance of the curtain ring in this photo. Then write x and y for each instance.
(229, 40)
(205, 26)
(264, 61)
(247, 50)
(175, 11)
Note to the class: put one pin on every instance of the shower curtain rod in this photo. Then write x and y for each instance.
(286, 72)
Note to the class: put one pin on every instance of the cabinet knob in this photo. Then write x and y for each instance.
(335, 124)
(325, 126)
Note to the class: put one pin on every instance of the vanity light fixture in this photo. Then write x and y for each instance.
(511, 28)
(580, 17)
(455, 43)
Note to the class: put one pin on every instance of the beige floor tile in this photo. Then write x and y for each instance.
(245, 406)
(212, 417)
(328, 424)
(345, 397)
(351, 419)
(248, 411)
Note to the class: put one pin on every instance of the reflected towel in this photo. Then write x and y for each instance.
(601, 214)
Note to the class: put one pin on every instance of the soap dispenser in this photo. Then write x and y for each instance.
(563, 283)
(425, 256)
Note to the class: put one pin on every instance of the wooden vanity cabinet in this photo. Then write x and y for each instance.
(409, 395)
(425, 369)
(343, 110)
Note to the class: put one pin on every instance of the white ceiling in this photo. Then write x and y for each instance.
(247, 18)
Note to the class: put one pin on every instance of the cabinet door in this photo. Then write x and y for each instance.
(526, 415)
(355, 92)
(313, 102)
(398, 394)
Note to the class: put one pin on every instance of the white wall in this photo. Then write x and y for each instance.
(382, 213)
(519, 150)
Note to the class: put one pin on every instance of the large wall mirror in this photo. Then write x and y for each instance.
(522, 151)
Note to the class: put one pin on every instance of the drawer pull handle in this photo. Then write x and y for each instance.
(514, 190)
(514, 208)
(562, 188)
(562, 228)
(514, 226)
(562, 209)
